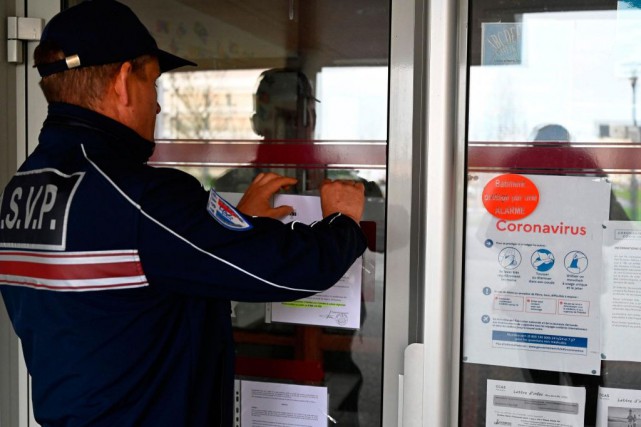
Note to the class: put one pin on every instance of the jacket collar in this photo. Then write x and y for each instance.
(109, 132)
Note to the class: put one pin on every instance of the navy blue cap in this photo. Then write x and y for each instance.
(98, 32)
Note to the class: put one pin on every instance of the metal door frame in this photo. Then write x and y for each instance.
(25, 111)
(431, 266)
(400, 176)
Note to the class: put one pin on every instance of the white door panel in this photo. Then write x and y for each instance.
(30, 111)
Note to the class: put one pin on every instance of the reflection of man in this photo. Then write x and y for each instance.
(284, 106)
(285, 111)
(117, 276)
(557, 133)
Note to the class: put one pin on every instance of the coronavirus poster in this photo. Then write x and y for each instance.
(532, 271)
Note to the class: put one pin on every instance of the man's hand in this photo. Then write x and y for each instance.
(256, 200)
(346, 197)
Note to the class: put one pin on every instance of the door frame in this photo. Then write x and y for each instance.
(25, 109)
(434, 235)
(400, 200)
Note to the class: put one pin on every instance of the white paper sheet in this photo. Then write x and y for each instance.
(532, 286)
(527, 405)
(618, 408)
(339, 306)
(621, 301)
(264, 404)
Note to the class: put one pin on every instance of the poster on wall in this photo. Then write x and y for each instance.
(532, 271)
(340, 305)
(621, 300)
(618, 407)
(525, 404)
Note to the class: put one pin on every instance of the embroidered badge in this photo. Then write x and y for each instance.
(225, 213)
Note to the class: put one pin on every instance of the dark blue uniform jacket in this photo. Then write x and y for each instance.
(118, 277)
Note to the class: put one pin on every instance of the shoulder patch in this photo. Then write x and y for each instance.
(225, 213)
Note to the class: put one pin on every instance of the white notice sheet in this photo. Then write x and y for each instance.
(265, 404)
(618, 408)
(339, 306)
(529, 405)
(621, 300)
(533, 271)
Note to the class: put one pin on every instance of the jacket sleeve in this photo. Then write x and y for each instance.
(184, 249)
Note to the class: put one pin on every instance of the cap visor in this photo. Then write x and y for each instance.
(168, 61)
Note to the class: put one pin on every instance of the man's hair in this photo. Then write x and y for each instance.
(84, 86)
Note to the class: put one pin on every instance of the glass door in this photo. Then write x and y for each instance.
(550, 288)
(299, 88)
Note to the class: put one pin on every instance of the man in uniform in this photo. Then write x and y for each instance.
(117, 276)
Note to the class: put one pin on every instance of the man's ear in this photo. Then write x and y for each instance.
(121, 85)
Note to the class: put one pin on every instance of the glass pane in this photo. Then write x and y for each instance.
(552, 103)
(299, 88)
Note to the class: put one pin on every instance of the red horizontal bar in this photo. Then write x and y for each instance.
(295, 370)
(560, 158)
(302, 154)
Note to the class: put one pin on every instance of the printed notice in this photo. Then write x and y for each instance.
(528, 405)
(621, 300)
(264, 404)
(339, 306)
(618, 408)
(533, 271)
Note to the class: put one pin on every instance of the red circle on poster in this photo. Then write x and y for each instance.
(510, 197)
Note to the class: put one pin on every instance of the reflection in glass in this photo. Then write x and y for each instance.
(557, 98)
(569, 74)
(207, 127)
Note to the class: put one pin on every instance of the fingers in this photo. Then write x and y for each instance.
(280, 212)
(272, 183)
(344, 183)
(273, 180)
(347, 182)
(344, 196)
(256, 200)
